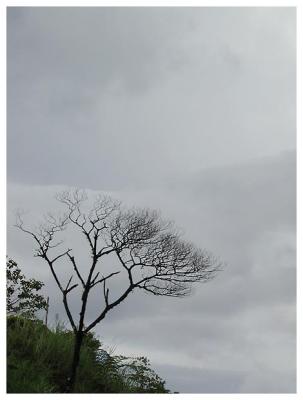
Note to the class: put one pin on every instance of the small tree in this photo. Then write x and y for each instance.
(149, 250)
(22, 295)
(138, 375)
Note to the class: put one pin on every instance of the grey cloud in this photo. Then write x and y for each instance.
(210, 379)
(98, 46)
(193, 378)
(90, 90)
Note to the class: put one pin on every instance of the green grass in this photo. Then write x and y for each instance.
(38, 361)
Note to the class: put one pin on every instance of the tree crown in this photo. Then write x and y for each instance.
(150, 250)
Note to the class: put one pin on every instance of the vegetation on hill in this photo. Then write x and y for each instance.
(38, 361)
(39, 358)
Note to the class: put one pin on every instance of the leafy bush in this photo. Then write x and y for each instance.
(22, 295)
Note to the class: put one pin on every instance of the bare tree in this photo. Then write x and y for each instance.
(149, 250)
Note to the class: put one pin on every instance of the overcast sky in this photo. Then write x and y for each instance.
(190, 111)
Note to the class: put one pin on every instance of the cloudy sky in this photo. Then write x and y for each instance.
(190, 111)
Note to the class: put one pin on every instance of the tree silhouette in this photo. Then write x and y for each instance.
(149, 251)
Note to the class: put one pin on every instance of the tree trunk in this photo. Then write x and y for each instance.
(75, 363)
(46, 311)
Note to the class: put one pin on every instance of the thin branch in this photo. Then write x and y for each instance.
(72, 259)
(105, 293)
(72, 287)
(103, 278)
(130, 277)
(53, 272)
(61, 255)
(68, 283)
(95, 277)
(102, 253)
(19, 225)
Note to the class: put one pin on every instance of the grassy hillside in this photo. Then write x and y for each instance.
(38, 361)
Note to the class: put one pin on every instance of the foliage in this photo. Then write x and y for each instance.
(139, 376)
(38, 362)
(22, 294)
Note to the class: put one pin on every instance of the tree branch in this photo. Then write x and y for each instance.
(94, 283)
(67, 310)
(108, 308)
(60, 255)
(72, 259)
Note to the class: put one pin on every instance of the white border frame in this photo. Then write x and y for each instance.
(163, 3)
